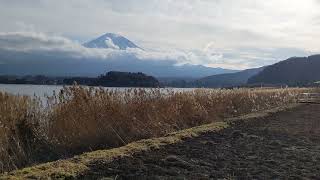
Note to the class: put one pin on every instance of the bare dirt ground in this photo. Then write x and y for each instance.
(285, 145)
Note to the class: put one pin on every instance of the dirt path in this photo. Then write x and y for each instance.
(285, 145)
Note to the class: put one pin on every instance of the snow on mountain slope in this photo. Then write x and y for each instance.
(110, 40)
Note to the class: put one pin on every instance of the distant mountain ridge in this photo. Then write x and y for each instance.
(227, 80)
(110, 40)
(73, 63)
(295, 71)
(115, 41)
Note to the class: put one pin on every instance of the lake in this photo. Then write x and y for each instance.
(47, 90)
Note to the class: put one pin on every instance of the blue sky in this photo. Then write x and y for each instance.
(236, 34)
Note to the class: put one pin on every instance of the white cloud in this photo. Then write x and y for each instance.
(186, 24)
(225, 33)
(64, 49)
(110, 44)
(41, 42)
(39, 53)
(31, 40)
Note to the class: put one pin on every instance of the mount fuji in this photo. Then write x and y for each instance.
(54, 61)
(111, 40)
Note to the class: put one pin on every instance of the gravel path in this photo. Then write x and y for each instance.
(285, 145)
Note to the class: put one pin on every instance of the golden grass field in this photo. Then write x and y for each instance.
(80, 119)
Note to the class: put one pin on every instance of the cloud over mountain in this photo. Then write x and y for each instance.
(244, 34)
(39, 53)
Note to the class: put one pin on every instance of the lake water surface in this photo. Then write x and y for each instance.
(47, 90)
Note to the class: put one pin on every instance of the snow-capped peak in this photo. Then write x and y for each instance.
(111, 40)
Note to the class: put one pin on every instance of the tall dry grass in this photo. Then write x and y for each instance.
(80, 119)
(19, 116)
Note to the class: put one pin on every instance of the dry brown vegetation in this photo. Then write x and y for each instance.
(18, 118)
(82, 119)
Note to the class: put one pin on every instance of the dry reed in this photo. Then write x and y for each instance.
(81, 119)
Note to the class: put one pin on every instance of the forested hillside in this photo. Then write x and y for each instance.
(296, 71)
